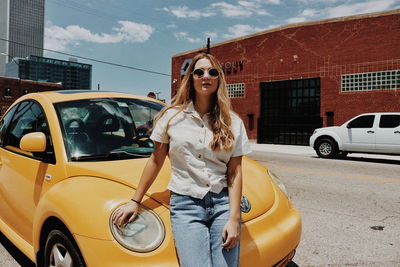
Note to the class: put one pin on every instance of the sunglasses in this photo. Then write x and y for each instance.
(199, 73)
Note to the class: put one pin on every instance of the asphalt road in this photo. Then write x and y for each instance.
(350, 209)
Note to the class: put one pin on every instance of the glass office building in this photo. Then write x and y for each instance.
(71, 74)
(22, 23)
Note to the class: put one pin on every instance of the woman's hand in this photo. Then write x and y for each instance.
(125, 214)
(230, 234)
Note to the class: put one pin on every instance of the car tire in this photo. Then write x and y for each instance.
(326, 148)
(61, 250)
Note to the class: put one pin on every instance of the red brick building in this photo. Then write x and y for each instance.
(13, 88)
(287, 81)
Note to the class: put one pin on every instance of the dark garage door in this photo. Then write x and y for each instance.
(290, 111)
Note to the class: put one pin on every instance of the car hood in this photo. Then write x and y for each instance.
(327, 128)
(257, 186)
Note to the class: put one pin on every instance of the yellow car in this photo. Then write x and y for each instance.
(68, 159)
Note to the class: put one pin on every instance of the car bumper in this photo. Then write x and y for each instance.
(266, 240)
(270, 239)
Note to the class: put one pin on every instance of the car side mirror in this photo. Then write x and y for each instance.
(33, 142)
(348, 126)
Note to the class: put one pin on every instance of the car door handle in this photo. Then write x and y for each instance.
(370, 131)
(397, 132)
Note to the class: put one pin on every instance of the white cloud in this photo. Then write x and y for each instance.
(229, 10)
(185, 36)
(212, 35)
(305, 15)
(134, 32)
(359, 8)
(240, 30)
(274, 2)
(311, 2)
(185, 12)
(243, 8)
(342, 10)
(59, 38)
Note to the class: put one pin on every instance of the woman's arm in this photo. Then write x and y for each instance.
(232, 228)
(127, 213)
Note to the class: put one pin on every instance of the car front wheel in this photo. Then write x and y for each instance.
(326, 148)
(61, 251)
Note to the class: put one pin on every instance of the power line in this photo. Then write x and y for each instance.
(90, 59)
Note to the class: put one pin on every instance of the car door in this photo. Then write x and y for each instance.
(360, 134)
(21, 174)
(388, 134)
(4, 123)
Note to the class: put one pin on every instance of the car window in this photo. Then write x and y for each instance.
(389, 121)
(103, 126)
(5, 122)
(28, 118)
(366, 121)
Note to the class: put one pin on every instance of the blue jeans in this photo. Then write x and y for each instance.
(197, 225)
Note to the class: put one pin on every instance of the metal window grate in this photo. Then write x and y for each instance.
(235, 90)
(371, 81)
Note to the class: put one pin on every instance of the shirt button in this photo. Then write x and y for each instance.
(207, 185)
(202, 126)
(199, 156)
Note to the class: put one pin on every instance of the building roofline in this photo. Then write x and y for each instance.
(30, 81)
(294, 25)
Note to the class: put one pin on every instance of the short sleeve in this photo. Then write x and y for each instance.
(242, 145)
(159, 133)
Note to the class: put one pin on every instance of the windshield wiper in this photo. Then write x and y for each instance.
(113, 155)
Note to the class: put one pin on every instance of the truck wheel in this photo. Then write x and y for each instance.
(326, 148)
(61, 251)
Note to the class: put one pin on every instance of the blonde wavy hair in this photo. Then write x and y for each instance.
(219, 115)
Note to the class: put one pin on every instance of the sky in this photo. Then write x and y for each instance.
(145, 34)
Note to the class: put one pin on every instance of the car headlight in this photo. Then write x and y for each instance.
(278, 182)
(144, 234)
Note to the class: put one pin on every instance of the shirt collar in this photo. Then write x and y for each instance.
(191, 110)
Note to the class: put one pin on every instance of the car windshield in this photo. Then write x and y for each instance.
(107, 128)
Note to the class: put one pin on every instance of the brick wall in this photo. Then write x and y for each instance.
(18, 87)
(325, 49)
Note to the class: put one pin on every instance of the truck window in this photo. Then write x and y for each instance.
(366, 121)
(389, 121)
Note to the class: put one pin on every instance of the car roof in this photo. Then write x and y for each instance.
(69, 95)
(380, 113)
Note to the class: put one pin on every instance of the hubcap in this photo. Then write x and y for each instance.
(325, 149)
(60, 257)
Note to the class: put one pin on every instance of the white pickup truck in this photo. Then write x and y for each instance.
(377, 133)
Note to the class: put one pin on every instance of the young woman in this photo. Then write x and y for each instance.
(205, 142)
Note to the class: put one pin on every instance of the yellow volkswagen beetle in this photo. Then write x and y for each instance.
(68, 159)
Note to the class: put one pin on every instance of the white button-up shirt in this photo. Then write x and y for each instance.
(196, 169)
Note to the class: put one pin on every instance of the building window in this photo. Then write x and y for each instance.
(371, 81)
(235, 90)
(7, 92)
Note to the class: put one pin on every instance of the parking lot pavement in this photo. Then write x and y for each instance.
(285, 149)
(310, 152)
